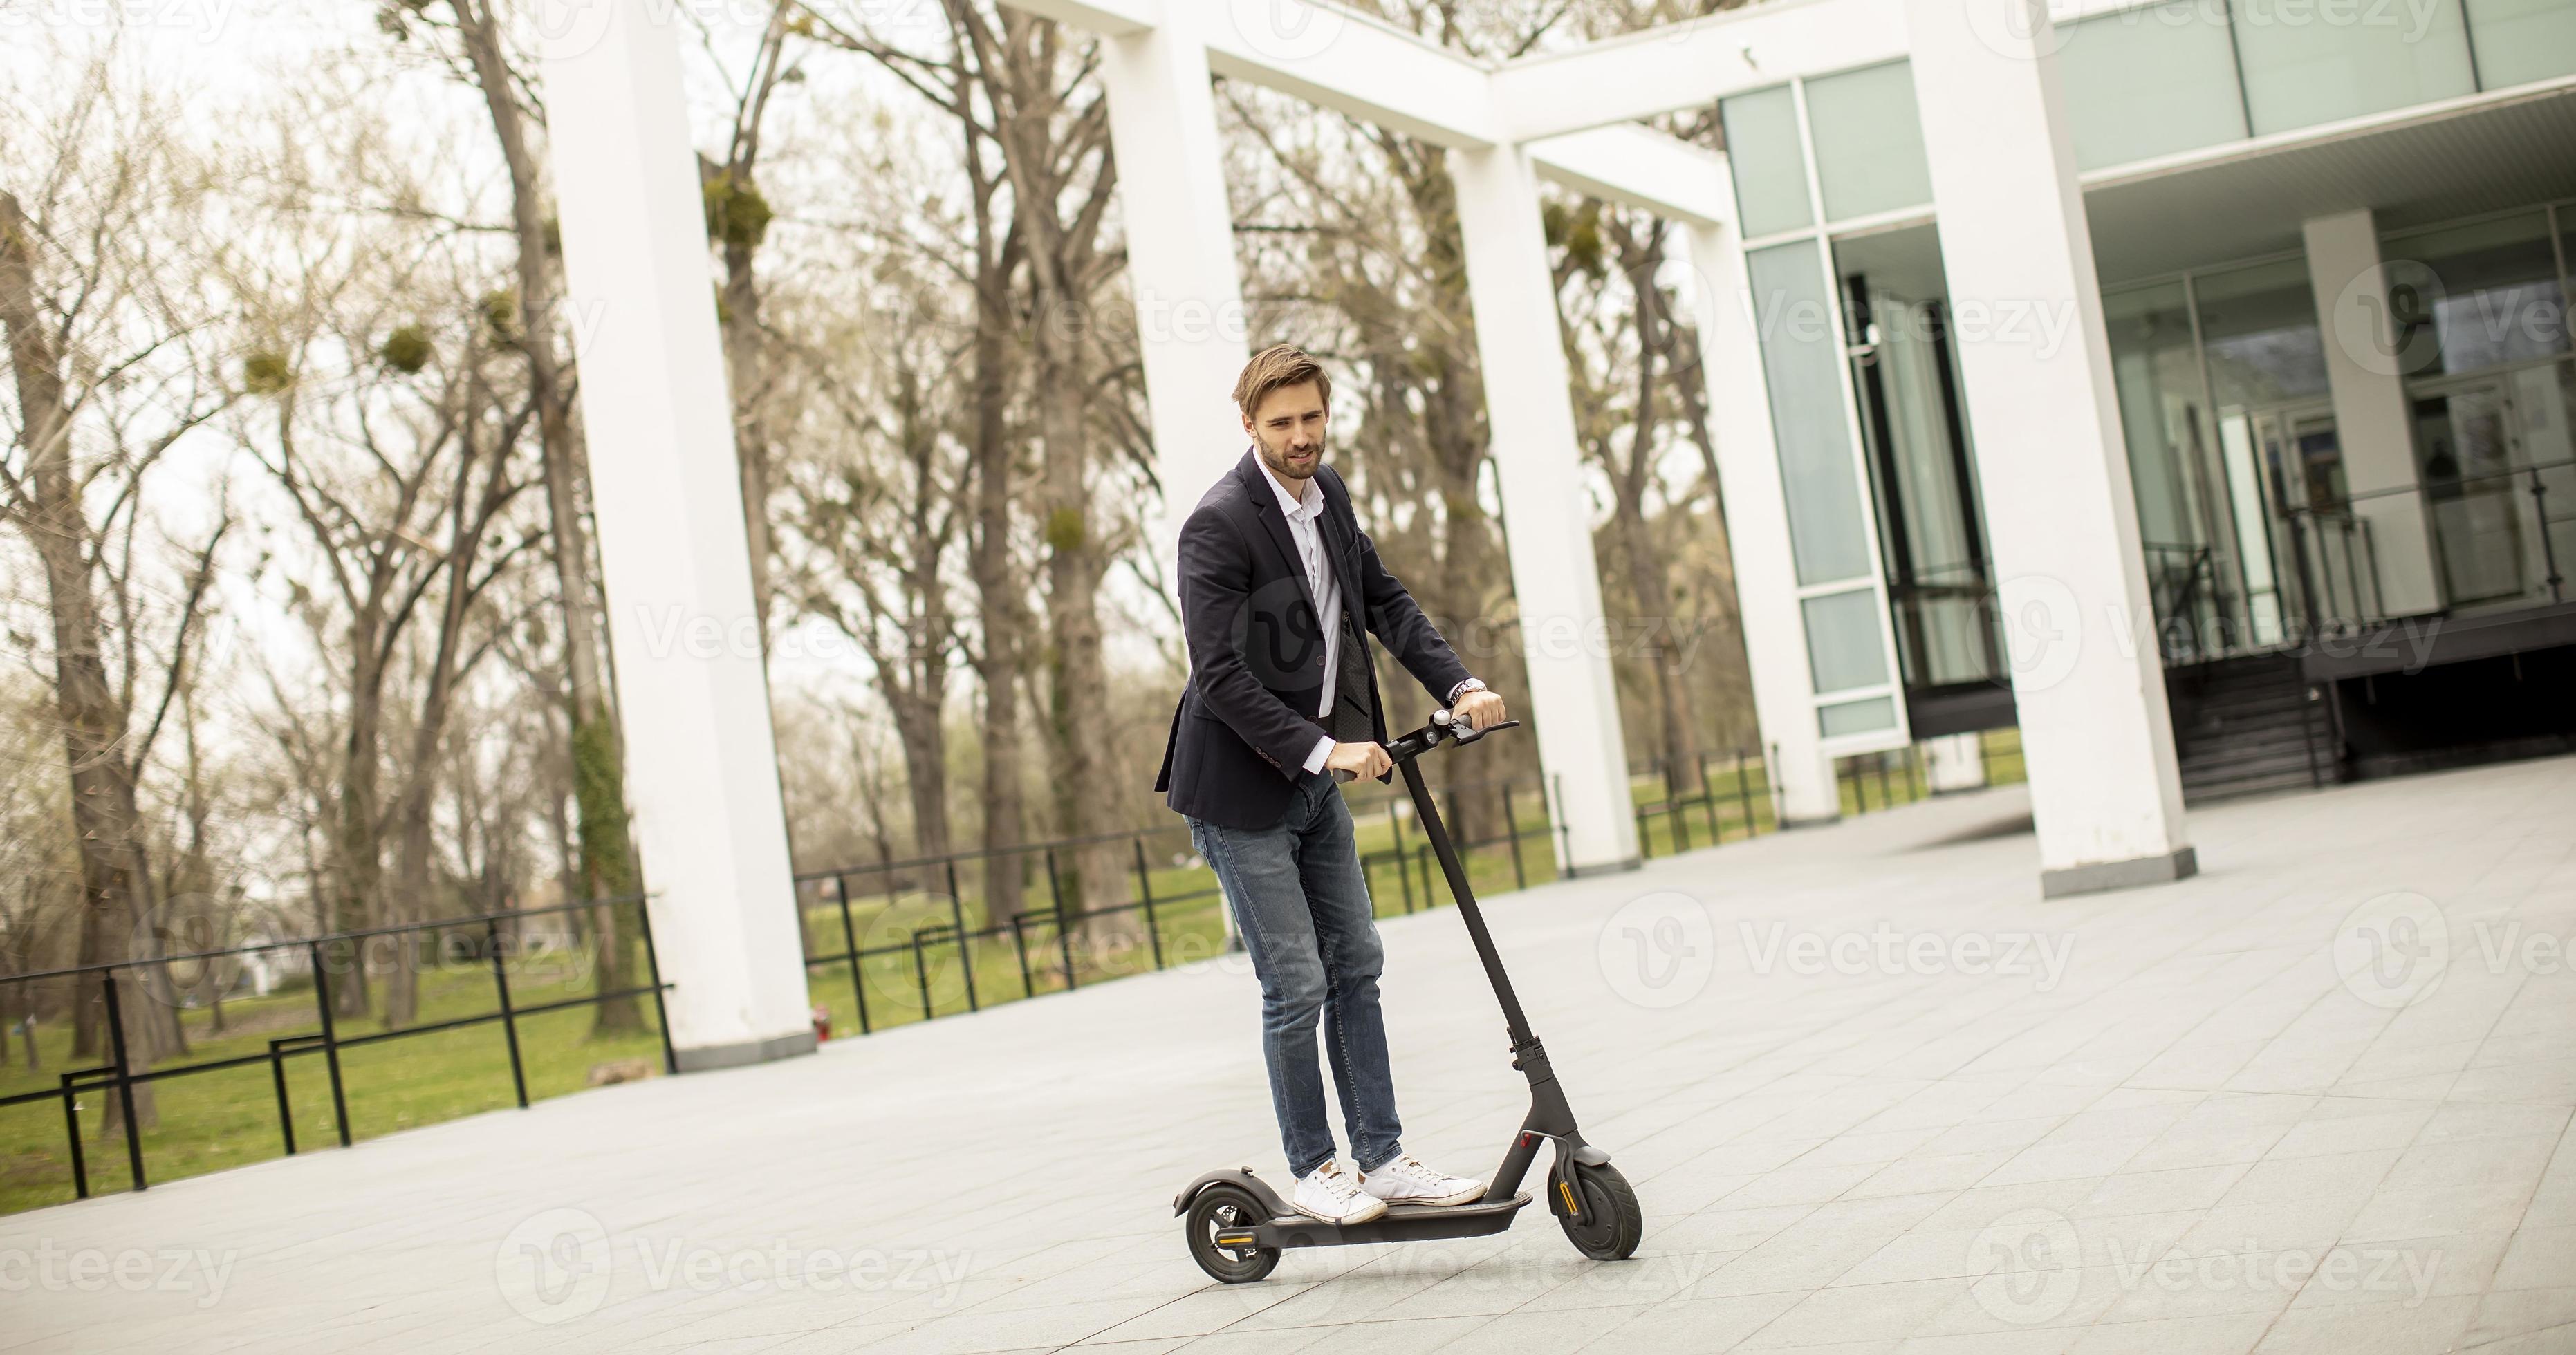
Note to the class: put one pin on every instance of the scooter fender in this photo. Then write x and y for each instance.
(1563, 1200)
(1239, 1176)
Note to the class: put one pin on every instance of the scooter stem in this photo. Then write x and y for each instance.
(1429, 817)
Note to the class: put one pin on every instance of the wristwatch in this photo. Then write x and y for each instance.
(1470, 685)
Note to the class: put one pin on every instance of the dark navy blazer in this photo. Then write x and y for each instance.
(1247, 720)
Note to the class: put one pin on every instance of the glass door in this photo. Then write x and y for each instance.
(2466, 461)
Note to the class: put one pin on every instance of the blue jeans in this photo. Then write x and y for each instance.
(1302, 907)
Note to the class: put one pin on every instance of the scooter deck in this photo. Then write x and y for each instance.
(1400, 1223)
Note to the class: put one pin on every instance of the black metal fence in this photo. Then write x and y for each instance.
(908, 933)
(915, 939)
(483, 939)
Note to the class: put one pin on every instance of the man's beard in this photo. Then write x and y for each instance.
(1276, 458)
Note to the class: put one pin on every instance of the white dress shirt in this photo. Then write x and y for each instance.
(1303, 513)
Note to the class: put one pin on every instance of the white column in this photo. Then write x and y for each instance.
(1529, 410)
(701, 763)
(2060, 512)
(1190, 319)
(2374, 425)
(1954, 762)
(1757, 529)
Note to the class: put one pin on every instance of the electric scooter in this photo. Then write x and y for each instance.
(1237, 1225)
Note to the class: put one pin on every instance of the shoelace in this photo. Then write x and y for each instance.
(1411, 1169)
(1339, 1184)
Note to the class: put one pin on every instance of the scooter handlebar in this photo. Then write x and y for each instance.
(1442, 729)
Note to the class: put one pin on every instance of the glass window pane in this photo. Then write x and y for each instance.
(1869, 141)
(2156, 374)
(1856, 717)
(1845, 648)
(2307, 64)
(1801, 362)
(1917, 461)
(2485, 294)
(2519, 41)
(1770, 173)
(2148, 82)
(2260, 326)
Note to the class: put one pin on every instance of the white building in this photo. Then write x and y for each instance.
(2042, 348)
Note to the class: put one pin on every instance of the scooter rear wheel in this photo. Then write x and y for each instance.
(1223, 1210)
(1617, 1222)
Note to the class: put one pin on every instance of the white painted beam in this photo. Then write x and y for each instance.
(1108, 18)
(1757, 528)
(1640, 167)
(701, 759)
(1190, 319)
(1547, 519)
(2053, 464)
(1353, 64)
(1693, 64)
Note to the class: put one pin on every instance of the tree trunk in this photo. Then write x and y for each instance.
(599, 775)
(93, 718)
(743, 367)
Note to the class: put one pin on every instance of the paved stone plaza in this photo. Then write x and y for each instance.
(1874, 1094)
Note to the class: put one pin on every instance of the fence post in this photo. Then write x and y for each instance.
(653, 972)
(1403, 864)
(1564, 830)
(850, 939)
(965, 948)
(1512, 835)
(71, 1131)
(509, 1015)
(1020, 944)
(1145, 891)
(921, 972)
(1063, 932)
(1744, 793)
(2548, 551)
(285, 1112)
(330, 1038)
(124, 1080)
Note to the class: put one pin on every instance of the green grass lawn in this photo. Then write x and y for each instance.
(213, 1120)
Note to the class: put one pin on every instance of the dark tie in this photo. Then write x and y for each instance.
(1352, 720)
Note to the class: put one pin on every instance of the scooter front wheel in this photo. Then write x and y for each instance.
(1616, 1223)
(1223, 1211)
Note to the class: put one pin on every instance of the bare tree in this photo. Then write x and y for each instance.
(877, 528)
(110, 370)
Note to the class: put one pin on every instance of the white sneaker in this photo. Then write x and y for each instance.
(1406, 1181)
(1329, 1193)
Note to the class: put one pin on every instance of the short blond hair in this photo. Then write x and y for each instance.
(1278, 366)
